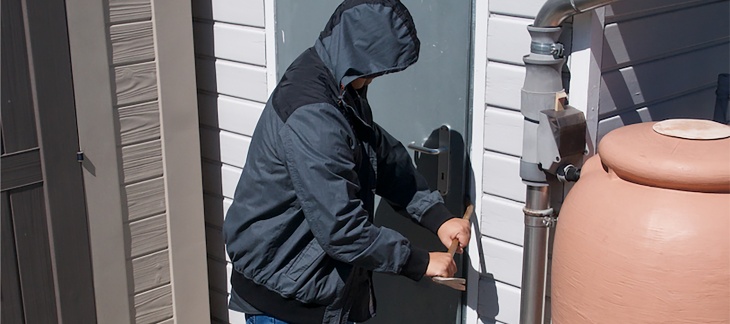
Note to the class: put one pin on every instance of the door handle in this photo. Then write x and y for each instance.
(442, 151)
(427, 150)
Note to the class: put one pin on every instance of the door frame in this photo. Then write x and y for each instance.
(474, 137)
(475, 145)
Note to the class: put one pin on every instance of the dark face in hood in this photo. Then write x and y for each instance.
(368, 38)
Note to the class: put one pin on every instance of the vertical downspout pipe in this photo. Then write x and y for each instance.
(543, 82)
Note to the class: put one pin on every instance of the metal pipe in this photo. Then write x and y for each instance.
(554, 12)
(538, 218)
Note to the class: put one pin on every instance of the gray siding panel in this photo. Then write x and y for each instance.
(151, 271)
(142, 161)
(148, 235)
(661, 60)
(129, 10)
(660, 35)
(627, 9)
(132, 43)
(136, 83)
(154, 306)
(697, 105)
(637, 85)
(139, 123)
(146, 198)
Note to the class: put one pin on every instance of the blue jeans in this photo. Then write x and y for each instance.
(262, 319)
(265, 319)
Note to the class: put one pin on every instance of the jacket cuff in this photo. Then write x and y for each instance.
(416, 264)
(435, 216)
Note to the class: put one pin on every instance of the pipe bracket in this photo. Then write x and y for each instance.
(549, 221)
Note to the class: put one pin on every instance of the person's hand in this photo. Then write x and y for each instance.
(455, 228)
(440, 264)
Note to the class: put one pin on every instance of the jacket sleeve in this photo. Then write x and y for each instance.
(403, 186)
(319, 155)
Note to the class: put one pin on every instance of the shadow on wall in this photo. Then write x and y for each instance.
(655, 69)
(211, 158)
(487, 303)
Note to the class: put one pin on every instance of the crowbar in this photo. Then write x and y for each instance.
(456, 283)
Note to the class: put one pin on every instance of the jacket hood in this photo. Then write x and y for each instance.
(368, 38)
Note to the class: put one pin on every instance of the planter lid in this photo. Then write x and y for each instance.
(682, 154)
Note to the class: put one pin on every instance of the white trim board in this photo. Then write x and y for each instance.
(476, 153)
(270, 25)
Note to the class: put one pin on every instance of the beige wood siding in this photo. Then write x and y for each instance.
(132, 41)
(231, 68)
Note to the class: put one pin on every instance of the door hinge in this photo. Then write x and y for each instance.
(80, 156)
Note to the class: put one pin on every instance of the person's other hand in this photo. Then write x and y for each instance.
(455, 228)
(440, 264)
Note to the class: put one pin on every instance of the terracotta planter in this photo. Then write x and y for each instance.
(644, 236)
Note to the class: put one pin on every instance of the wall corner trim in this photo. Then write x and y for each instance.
(98, 127)
(181, 159)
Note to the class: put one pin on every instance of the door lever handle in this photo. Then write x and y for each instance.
(428, 150)
(442, 152)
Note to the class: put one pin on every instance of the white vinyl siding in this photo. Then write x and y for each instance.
(231, 67)
(503, 193)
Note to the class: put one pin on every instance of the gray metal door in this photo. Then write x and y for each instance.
(412, 105)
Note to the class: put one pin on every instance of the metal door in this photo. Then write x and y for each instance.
(412, 105)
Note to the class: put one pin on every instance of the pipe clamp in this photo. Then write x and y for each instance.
(539, 217)
(557, 50)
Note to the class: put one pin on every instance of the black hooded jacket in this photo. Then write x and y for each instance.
(299, 232)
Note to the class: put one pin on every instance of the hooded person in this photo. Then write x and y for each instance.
(299, 231)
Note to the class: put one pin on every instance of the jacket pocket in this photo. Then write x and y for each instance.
(306, 259)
